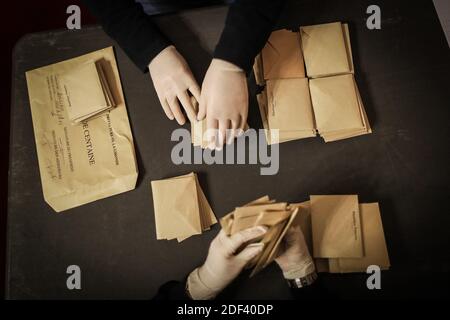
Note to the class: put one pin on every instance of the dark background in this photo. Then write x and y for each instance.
(414, 163)
(22, 17)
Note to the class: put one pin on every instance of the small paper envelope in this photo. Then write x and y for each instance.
(176, 208)
(336, 226)
(289, 105)
(375, 249)
(325, 50)
(282, 56)
(336, 105)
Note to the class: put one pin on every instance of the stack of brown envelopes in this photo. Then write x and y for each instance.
(324, 100)
(181, 208)
(277, 216)
(342, 234)
(87, 91)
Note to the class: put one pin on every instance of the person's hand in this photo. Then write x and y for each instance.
(172, 79)
(224, 262)
(295, 260)
(224, 102)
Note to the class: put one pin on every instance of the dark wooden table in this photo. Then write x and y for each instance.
(403, 72)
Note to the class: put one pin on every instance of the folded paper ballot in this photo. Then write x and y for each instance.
(318, 236)
(181, 208)
(87, 91)
(327, 103)
(278, 217)
(83, 163)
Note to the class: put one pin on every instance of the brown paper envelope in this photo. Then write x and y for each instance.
(324, 50)
(176, 208)
(336, 226)
(84, 90)
(282, 56)
(289, 105)
(328, 137)
(375, 249)
(88, 162)
(335, 104)
(207, 216)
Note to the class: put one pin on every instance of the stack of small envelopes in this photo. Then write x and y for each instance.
(324, 100)
(181, 208)
(342, 234)
(87, 91)
(278, 217)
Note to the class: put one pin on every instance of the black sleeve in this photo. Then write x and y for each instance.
(126, 22)
(172, 290)
(247, 28)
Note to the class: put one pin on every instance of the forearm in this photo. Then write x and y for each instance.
(126, 22)
(247, 28)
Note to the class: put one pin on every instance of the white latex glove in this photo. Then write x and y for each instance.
(223, 265)
(224, 102)
(172, 79)
(295, 260)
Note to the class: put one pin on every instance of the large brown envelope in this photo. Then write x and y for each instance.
(336, 105)
(375, 250)
(282, 56)
(324, 49)
(289, 106)
(81, 163)
(176, 208)
(336, 226)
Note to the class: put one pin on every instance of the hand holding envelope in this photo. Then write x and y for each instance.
(277, 217)
(227, 257)
(344, 235)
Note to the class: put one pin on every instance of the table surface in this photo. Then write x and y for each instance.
(403, 73)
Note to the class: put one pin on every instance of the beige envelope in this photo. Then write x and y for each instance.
(333, 136)
(289, 106)
(335, 104)
(336, 226)
(87, 162)
(325, 50)
(282, 56)
(375, 249)
(176, 208)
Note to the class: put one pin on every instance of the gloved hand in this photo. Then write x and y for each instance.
(223, 264)
(295, 260)
(173, 79)
(224, 102)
